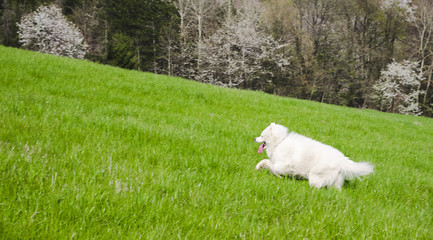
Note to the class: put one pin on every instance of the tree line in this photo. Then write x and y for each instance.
(360, 53)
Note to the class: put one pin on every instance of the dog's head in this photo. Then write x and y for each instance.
(273, 134)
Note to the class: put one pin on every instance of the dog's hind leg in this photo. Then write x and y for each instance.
(332, 178)
(315, 181)
(339, 180)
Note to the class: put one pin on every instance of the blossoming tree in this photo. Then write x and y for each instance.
(398, 88)
(47, 30)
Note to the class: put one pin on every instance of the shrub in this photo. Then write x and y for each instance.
(47, 30)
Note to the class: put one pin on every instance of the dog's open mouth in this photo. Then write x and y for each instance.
(261, 147)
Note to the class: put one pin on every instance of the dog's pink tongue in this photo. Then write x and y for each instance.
(261, 147)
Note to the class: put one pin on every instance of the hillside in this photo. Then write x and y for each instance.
(92, 151)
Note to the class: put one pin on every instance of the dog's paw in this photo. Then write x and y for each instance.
(259, 166)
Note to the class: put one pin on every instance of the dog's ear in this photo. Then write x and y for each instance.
(271, 126)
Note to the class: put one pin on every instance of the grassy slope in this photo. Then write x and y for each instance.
(92, 151)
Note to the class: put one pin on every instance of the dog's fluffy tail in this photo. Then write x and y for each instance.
(351, 169)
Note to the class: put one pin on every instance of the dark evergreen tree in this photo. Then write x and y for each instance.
(11, 12)
(141, 21)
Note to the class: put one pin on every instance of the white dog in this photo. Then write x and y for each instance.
(300, 156)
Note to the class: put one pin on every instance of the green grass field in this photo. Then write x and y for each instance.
(95, 152)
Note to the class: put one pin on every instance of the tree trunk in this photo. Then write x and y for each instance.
(154, 48)
(428, 83)
(105, 39)
(199, 45)
(170, 72)
(138, 59)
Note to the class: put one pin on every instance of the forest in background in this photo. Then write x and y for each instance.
(356, 53)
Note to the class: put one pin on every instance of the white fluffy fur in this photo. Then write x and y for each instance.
(297, 155)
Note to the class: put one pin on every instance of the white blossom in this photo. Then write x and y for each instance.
(47, 30)
(404, 6)
(398, 87)
(235, 53)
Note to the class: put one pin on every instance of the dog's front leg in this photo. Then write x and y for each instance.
(266, 163)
